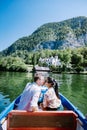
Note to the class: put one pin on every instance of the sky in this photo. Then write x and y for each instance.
(20, 18)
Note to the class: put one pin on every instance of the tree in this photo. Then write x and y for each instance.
(76, 59)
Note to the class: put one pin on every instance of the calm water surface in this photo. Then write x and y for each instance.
(73, 86)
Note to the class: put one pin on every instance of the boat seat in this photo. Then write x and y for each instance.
(41, 120)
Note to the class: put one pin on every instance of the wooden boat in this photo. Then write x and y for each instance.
(69, 119)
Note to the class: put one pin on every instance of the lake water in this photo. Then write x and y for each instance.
(73, 86)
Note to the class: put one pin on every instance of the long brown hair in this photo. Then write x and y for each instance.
(54, 85)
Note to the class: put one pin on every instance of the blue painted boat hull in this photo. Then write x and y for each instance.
(67, 104)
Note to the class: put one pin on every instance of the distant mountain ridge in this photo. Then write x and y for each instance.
(70, 33)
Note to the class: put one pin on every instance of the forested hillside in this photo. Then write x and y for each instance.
(71, 33)
(66, 39)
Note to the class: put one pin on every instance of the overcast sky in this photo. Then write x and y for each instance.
(19, 18)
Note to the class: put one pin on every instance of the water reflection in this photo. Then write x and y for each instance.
(4, 101)
(11, 85)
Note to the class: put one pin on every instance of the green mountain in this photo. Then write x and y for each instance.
(70, 33)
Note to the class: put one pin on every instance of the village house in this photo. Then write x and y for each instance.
(51, 61)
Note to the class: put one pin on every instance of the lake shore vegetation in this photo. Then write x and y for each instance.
(72, 60)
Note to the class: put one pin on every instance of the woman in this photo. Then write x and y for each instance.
(51, 99)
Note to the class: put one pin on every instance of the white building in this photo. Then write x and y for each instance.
(51, 61)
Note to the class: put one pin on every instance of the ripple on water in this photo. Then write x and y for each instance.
(4, 101)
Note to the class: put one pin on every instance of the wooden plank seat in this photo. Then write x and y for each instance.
(46, 120)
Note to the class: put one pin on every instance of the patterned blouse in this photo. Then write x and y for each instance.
(50, 99)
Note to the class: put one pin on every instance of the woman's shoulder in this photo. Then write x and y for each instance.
(51, 89)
